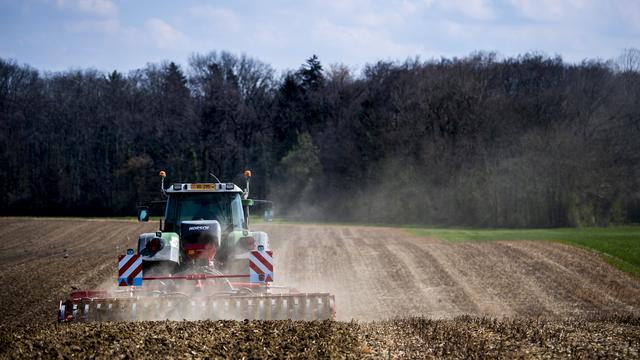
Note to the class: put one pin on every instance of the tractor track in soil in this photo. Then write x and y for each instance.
(375, 273)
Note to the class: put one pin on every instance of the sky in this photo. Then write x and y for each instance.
(108, 35)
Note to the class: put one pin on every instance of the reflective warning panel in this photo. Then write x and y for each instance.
(260, 266)
(129, 270)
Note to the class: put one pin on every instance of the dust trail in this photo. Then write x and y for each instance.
(382, 273)
(375, 273)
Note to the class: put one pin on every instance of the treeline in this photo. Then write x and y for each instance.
(524, 141)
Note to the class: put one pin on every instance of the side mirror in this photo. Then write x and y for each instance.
(268, 215)
(143, 214)
(248, 202)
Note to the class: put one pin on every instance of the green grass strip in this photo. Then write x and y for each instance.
(619, 246)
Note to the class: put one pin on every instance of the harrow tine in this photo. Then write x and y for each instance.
(300, 308)
(268, 306)
(279, 311)
(236, 309)
(266, 309)
(125, 310)
(310, 308)
(326, 308)
(75, 312)
(220, 309)
(162, 309)
(323, 308)
(97, 311)
(261, 313)
(227, 307)
(292, 307)
(203, 308)
(134, 308)
(243, 307)
(89, 311)
(315, 308)
(146, 311)
(286, 303)
(255, 310)
(313, 305)
(61, 312)
(318, 308)
(116, 312)
(166, 311)
(213, 305)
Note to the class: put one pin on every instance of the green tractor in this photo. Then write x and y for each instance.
(203, 263)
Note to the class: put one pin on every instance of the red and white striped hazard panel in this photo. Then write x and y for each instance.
(260, 266)
(129, 270)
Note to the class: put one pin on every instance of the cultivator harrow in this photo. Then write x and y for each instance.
(195, 297)
(86, 307)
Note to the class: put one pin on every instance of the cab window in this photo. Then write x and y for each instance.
(226, 208)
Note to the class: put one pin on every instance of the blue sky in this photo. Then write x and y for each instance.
(124, 35)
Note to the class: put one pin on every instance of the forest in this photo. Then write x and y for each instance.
(482, 140)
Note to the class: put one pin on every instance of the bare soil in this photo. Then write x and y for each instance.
(43, 261)
(411, 297)
(463, 337)
(384, 273)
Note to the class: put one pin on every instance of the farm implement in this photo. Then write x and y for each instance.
(203, 263)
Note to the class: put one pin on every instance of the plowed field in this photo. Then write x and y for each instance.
(381, 273)
(506, 299)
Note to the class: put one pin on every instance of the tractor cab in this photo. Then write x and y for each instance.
(205, 202)
(203, 223)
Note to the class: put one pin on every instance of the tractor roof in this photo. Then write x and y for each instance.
(203, 187)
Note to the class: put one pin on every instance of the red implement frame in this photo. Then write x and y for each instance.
(192, 277)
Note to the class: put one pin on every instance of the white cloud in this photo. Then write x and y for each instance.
(97, 7)
(101, 7)
(270, 35)
(373, 19)
(163, 35)
(550, 10)
(428, 3)
(107, 26)
(361, 31)
(629, 10)
(572, 43)
(343, 5)
(219, 16)
(361, 42)
(588, 16)
(152, 33)
(476, 9)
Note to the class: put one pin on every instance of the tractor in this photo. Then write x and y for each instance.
(204, 262)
